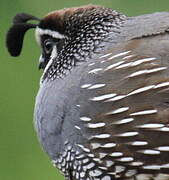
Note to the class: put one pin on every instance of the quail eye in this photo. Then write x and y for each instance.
(48, 46)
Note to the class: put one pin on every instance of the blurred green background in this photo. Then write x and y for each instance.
(21, 157)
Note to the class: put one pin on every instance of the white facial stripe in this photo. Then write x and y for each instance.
(53, 55)
(39, 32)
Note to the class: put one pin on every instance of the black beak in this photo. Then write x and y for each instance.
(43, 61)
(42, 65)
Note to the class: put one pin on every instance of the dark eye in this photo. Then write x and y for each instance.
(48, 46)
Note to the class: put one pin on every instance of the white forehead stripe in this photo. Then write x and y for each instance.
(39, 32)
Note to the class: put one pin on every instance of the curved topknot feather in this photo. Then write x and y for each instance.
(23, 18)
(15, 35)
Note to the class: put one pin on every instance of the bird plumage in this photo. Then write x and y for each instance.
(102, 110)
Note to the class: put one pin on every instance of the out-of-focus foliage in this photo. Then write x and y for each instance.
(21, 157)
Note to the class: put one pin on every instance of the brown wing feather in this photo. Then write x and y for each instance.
(128, 130)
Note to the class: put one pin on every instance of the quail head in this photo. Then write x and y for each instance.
(102, 110)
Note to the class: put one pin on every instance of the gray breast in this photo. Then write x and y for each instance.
(108, 118)
(101, 121)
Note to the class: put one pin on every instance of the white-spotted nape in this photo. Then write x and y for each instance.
(40, 32)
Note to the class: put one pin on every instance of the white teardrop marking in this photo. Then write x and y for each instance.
(145, 112)
(120, 110)
(103, 97)
(96, 86)
(85, 119)
(96, 125)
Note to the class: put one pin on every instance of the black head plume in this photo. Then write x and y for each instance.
(15, 35)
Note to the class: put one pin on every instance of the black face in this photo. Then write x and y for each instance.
(47, 44)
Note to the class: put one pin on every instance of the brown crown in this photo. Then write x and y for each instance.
(56, 19)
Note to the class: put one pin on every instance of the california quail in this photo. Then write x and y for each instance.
(102, 110)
